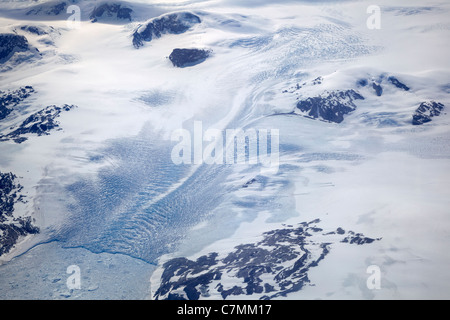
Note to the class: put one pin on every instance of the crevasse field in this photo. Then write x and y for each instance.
(357, 206)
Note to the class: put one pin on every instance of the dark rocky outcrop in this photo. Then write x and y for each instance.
(182, 58)
(34, 30)
(362, 82)
(397, 83)
(175, 23)
(426, 111)
(111, 11)
(272, 267)
(330, 106)
(378, 81)
(11, 43)
(249, 182)
(378, 89)
(39, 123)
(11, 228)
(53, 8)
(357, 238)
(9, 99)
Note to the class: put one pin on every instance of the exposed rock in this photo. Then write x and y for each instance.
(273, 267)
(34, 29)
(45, 34)
(50, 9)
(362, 82)
(182, 58)
(11, 228)
(248, 183)
(378, 89)
(175, 23)
(11, 43)
(9, 99)
(39, 123)
(317, 81)
(297, 87)
(426, 111)
(377, 81)
(397, 83)
(330, 106)
(357, 238)
(114, 11)
(8, 194)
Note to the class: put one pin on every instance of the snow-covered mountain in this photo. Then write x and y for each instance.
(92, 94)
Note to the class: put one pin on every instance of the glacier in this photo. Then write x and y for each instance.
(86, 119)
